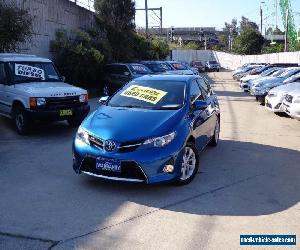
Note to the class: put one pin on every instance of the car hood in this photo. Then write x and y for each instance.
(268, 81)
(282, 89)
(50, 89)
(124, 124)
(249, 77)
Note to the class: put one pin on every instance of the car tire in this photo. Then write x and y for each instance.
(188, 171)
(21, 120)
(74, 122)
(215, 139)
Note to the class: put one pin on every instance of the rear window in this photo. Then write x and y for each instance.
(139, 69)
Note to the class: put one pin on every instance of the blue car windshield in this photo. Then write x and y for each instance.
(150, 94)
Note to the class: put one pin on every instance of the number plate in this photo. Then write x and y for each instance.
(66, 112)
(108, 165)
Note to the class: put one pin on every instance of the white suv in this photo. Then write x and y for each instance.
(32, 89)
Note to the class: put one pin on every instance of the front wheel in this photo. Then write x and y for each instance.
(189, 164)
(21, 120)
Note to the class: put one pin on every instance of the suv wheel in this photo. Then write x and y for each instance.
(21, 120)
(189, 164)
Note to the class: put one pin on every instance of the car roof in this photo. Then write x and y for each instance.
(175, 78)
(15, 57)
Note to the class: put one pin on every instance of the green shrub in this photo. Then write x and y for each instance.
(15, 27)
(77, 58)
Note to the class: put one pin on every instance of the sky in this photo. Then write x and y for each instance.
(211, 13)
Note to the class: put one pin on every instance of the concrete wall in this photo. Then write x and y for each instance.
(48, 16)
(231, 61)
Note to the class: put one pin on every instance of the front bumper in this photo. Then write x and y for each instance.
(79, 112)
(144, 164)
(274, 104)
(292, 109)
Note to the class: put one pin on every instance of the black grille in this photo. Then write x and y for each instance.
(129, 146)
(62, 102)
(96, 142)
(129, 169)
(289, 98)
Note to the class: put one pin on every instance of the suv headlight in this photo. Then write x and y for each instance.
(83, 98)
(82, 135)
(297, 100)
(40, 101)
(161, 141)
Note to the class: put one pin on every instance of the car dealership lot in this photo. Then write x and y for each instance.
(249, 184)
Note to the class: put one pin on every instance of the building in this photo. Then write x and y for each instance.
(52, 15)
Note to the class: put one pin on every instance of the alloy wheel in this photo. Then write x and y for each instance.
(188, 163)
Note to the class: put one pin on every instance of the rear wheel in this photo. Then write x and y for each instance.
(189, 164)
(215, 139)
(21, 120)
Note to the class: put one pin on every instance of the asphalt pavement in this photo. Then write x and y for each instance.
(249, 184)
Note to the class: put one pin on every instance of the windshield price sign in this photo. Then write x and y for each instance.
(29, 71)
(145, 94)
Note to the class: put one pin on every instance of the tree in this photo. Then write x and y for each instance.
(246, 24)
(77, 57)
(230, 31)
(116, 17)
(15, 27)
(273, 48)
(249, 42)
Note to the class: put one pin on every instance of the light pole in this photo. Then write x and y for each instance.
(146, 10)
(261, 17)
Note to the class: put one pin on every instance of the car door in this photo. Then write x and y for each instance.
(213, 105)
(4, 93)
(199, 118)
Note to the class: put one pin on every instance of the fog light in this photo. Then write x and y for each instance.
(168, 169)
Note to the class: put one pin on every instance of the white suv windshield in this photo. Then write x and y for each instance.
(33, 72)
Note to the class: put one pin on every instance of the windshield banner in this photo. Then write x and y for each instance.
(29, 71)
(145, 94)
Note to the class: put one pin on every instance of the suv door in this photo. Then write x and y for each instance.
(5, 104)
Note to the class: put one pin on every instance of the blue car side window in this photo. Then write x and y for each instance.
(195, 92)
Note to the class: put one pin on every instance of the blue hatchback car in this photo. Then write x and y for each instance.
(150, 131)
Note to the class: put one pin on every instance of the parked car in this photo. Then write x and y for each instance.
(179, 68)
(260, 90)
(291, 104)
(156, 128)
(195, 70)
(240, 74)
(199, 65)
(157, 67)
(32, 89)
(245, 81)
(118, 74)
(212, 66)
(275, 97)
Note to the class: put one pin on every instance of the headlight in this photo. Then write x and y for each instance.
(82, 135)
(161, 141)
(40, 101)
(297, 100)
(83, 98)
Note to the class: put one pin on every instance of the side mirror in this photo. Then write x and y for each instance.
(200, 105)
(63, 78)
(103, 99)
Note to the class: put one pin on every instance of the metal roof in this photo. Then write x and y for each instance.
(15, 57)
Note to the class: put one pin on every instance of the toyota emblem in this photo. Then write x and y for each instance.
(110, 146)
